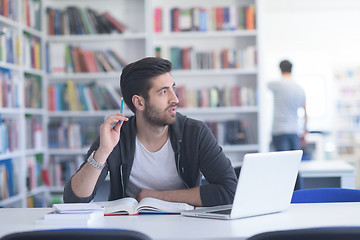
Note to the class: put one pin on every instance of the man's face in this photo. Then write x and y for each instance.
(160, 108)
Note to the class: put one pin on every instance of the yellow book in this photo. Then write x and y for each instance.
(30, 202)
(37, 55)
(73, 102)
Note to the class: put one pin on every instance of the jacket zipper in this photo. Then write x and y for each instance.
(122, 180)
(178, 164)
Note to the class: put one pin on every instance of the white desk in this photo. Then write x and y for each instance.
(179, 227)
(317, 169)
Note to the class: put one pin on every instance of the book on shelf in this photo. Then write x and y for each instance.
(79, 21)
(32, 93)
(9, 9)
(31, 13)
(71, 96)
(228, 96)
(190, 58)
(131, 206)
(36, 175)
(235, 132)
(114, 22)
(64, 58)
(226, 18)
(8, 179)
(9, 89)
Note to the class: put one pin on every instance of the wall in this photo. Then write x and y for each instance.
(319, 37)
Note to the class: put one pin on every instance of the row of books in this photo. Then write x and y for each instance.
(79, 96)
(61, 168)
(75, 134)
(31, 13)
(8, 179)
(232, 132)
(36, 173)
(9, 89)
(36, 201)
(33, 91)
(79, 21)
(34, 132)
(9, 135)
(232, 96)
(228, 18)
(189, 58)
(9, 46)
(9, 9)
(64, 58)
(32, 52)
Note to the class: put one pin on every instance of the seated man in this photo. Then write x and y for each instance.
(157, 152)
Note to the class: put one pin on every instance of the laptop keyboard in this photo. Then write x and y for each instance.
(224, 211)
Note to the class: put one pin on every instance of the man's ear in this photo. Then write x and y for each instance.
(139, 102)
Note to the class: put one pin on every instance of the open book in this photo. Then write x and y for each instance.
(131, 206)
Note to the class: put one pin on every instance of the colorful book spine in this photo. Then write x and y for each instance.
(227, 18)
(63, 58)
(71, 96)
(230, 96)
(8, 186)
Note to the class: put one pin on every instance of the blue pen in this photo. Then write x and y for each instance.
(121, 106)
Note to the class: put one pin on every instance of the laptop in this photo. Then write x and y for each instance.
(266, 184)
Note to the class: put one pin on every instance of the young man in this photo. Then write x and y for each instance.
(288, 98)
(156, 153)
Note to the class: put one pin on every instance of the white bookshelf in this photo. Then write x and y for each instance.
(19, 155)
(347, 130)
(194, 78)
(139, 41)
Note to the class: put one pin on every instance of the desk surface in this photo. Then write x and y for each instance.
(180, 227)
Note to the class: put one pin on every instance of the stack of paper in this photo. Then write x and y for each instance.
(73, 214)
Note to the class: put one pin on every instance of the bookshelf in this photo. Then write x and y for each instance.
(53, 117)
(22, 112)
(213, 47)
(347, 131)
(73, 120)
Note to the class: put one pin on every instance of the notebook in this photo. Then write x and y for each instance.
(266, 183)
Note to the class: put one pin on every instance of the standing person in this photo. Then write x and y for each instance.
(288, 98)
(157, 152)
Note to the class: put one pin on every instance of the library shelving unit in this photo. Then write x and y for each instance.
(212, 46)
(74, 124)
(217, 78)
(22, 113)
(347, 131)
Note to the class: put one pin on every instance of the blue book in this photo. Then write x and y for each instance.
(9, 175)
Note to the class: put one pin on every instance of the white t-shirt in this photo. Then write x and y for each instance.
(153, 170)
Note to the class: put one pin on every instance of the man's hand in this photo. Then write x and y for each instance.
(148, 193)
(110, 136)
(190, 196)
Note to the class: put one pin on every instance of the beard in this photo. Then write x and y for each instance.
(159, 118)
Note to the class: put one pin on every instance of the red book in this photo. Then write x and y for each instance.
(51, 97)
(250, 17)
(76, 60)
(219, 18)
(114, 22)
(90, 61)
(27, 9)
(176, 20)
(158, 19)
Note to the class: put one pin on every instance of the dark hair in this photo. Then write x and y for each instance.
(135, 77)
(285, 66)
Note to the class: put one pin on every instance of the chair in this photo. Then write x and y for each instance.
(325, 195)
(327, 233)
(78, 234)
